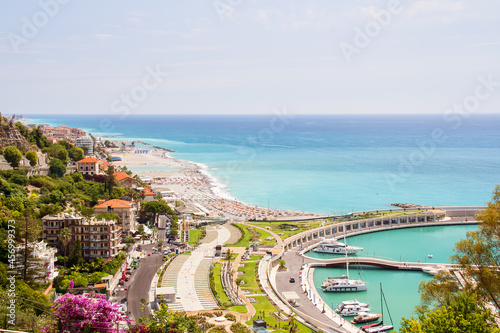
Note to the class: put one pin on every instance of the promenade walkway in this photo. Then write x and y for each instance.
(383, 263)
(192, 280)
(170, 279)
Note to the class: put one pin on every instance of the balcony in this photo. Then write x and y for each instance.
(97, 255)
(98, 232)
(98, 240)
(98, 248)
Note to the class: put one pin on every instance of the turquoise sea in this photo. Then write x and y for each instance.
(334, 164)
(324, 164)
(400, 287)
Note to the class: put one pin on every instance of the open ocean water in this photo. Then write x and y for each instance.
(324, 163)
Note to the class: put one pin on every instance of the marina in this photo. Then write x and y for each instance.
(401, 278)
(408, 242)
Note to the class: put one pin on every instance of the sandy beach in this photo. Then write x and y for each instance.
(191, 184)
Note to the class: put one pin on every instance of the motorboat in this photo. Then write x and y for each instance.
(433, 270)
(379, 328)
(343, 285)
(351, 303)
(333, 246)
(350, 311)
(365, 317)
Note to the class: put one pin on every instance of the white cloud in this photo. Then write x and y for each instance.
(439, 11)
(102, 37)
(485, 44)
(188, 48)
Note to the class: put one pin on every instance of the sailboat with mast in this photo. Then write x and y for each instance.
(343, 283)
(380, 327)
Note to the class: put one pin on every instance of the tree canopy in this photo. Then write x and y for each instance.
(460, 313)
(156, 208)
(57, 167)
(12, 155)
(478, 255)
(32, 157)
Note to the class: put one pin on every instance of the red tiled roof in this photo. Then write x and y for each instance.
(115, 203)
(88, 160)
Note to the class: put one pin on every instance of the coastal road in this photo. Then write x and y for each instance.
(140, 282)
(294, 263)
(162, 222)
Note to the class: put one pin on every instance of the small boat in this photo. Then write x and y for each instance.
(433, 270)
(379, 328)
(430, 256)
(370, 326)
(365, 317)
(333, 246)
(350, 303)
(351, 311)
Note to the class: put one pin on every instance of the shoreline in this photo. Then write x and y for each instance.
(192, 183)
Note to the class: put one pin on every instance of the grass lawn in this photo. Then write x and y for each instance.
(218, 284)
(263, 238)
(194, 236)
(248, 232)
(253, 258)
(264, 308)
(245, 239)
(238, 308)
(249, 277)
(288, 232)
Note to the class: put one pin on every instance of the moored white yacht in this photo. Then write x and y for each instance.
(354, 302)
(433, 270)
(350, 311)
(333, 246)
(343, 283)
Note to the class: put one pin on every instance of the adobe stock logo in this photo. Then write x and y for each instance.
(31, 27)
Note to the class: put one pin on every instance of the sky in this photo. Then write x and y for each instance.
(248, 56)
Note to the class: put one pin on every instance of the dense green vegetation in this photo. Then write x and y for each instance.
(24, 201)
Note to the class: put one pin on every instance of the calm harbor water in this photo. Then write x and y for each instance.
(400, 287)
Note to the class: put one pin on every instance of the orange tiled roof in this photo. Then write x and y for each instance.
(147, 191)
(115, 203)
(121, 176)
(88, 160)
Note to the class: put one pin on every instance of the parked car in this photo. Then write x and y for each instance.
(292, 279)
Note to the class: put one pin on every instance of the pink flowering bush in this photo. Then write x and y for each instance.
(87, 313)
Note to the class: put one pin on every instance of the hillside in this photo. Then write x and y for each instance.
(10, 136)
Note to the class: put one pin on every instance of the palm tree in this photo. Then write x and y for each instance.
(65, 237)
